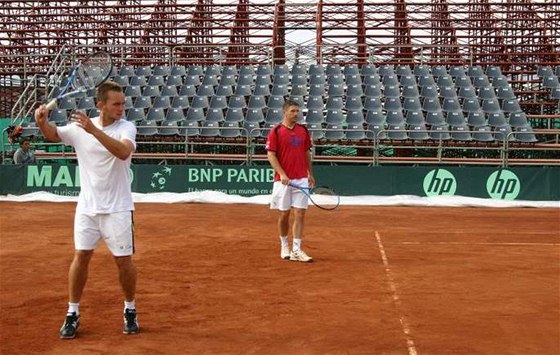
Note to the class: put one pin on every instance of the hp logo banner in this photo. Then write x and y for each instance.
(503, 184)
(440, 182)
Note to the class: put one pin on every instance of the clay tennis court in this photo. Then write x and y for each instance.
(386, 280)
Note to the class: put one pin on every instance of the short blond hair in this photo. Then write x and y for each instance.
(104, 88)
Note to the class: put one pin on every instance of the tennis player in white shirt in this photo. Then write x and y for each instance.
(104, 147)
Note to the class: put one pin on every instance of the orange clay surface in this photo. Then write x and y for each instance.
(385, 280)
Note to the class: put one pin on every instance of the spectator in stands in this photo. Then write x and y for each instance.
(289, 152)
(104, 146)
(24, 155)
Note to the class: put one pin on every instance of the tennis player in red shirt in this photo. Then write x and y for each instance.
(289, 152)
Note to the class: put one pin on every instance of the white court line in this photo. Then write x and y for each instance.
(396, 300)
(479, 243)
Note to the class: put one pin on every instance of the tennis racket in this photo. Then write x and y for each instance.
(89, 73)
(321, 196)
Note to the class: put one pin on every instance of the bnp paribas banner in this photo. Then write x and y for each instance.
(523, 183)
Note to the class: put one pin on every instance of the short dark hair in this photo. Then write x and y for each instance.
(23, 140)
(105, 87)
(289, 103)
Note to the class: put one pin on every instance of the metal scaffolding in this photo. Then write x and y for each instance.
(517, 35)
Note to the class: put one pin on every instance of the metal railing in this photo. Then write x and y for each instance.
(247, 147)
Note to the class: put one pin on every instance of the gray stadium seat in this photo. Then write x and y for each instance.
(156, 80)
(169, 90)
(353, 103)
(256, 101)
(162, 102)
(335, 116)
(315, 102)
(192, 80)
(275, 101)
(455, 118)
(511, 105)
(219, 102)
(496, 119)
(376, 132)
(334, 103)
(482, 134)
(189, 129)
(431, 104)
(224, 90)
(355, 132)
(461, 133)
(254, 115)
(410, 91)
(418, 132)
(200, 102)
(178, 70)
(143, 70)
(374, 117)
(373, 91)
(372, 80)
(504, 132)
(168, 128)
(180, 102)
(151, 91)
(205, 90)
(273, 116)
(395, 117)
(397, 132)
(518, 119)
(368, 69)
(354, 90)
(415, 117)
(355, 117)
(439, 71)
(195, 114)
(471, 105)
(230, 130)
(440, 132)
(155, 114)
(135, 114)
(524, 134)
(234, 115)
(175, 115)
(136, 80)
(237, 102)
(245, 90)
(314, 117)
(251, 129)
(210, 129)
(214, 115)
(435, 118)
(147, 128)
(334, 131)
(392, 104)
(476, 119)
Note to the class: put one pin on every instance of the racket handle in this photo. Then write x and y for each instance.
(51, 105)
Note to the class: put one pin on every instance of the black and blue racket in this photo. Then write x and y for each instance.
(87, 74)
(321, 196)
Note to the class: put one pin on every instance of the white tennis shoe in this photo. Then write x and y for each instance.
(299, 255)
(285, 252)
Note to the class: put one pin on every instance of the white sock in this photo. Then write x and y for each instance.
(297, 244)
(73, 307)
(284, 240)
(130, 305)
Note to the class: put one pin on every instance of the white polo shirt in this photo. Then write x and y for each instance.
(105, 179)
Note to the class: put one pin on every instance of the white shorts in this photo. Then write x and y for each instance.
(115, 228)
(285, 197)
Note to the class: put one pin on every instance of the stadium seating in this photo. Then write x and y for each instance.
(341, 102)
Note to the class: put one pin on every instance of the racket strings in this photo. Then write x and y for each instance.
(94, 70)
(324, 197)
